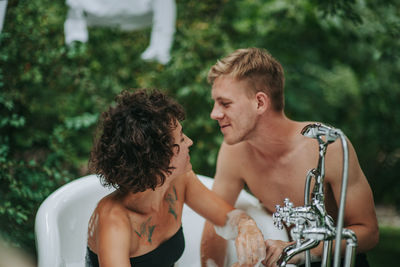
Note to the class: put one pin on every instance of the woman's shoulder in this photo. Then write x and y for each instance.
(110, 225)
(112, 213)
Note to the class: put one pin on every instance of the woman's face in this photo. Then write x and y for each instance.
(181, 158)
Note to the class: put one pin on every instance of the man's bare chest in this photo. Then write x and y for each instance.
(272, 183)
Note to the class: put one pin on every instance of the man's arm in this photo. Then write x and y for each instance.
(227, 185)
(360, 213)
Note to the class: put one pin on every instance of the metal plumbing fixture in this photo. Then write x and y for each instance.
(312, 224)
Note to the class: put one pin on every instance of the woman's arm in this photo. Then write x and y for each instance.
(227, 185)
(205, 202)
(230, 223)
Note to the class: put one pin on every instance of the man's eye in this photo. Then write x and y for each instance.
(225, 104)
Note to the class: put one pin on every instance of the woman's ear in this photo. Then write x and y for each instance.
(263, 102)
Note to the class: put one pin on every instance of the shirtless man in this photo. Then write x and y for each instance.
(265, 150)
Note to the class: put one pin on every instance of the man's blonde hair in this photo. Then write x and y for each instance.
(258, 68)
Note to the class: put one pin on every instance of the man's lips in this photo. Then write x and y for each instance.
(224, 126)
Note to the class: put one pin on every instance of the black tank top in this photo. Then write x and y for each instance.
(164, 255)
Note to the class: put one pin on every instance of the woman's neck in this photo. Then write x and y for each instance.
(146, 202)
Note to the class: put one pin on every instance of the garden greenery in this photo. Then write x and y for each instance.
(341, 61)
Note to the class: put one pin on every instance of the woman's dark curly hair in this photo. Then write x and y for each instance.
(135, 144)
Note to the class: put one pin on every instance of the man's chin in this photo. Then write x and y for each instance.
(230, 141)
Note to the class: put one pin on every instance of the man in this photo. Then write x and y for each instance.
(264, 149)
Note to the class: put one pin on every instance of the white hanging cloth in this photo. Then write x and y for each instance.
(3, 7)
(126, 15)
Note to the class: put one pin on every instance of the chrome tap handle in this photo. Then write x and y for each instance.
(277, 218)
(284, 214)
(318, 130)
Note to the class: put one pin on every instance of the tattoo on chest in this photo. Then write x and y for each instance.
(171, 198)
(146, 230)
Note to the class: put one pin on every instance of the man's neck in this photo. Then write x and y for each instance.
(274, 135)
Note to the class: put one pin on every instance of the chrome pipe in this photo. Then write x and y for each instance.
(311, 174)
(326, 254)
(350, 256)
(294, 249)
(308, 258)
(351, 246)
(342, 202)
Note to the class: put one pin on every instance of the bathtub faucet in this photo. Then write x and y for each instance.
(310, 223)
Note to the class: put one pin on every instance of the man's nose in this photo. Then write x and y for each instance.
(216, 113)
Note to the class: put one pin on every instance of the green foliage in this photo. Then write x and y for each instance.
(387, 251)
(340, 57)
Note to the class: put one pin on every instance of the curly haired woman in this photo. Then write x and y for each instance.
(142, 151)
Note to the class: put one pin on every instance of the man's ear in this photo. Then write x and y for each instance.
(263, 102)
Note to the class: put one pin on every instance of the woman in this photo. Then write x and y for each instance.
(143, 153)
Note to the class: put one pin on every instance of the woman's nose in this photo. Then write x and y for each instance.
(190, 142)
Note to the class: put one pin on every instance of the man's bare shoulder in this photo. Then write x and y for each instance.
(235, 156)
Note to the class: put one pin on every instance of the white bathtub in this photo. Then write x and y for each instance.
(61, 224)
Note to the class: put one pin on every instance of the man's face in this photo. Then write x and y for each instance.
(234, 109)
